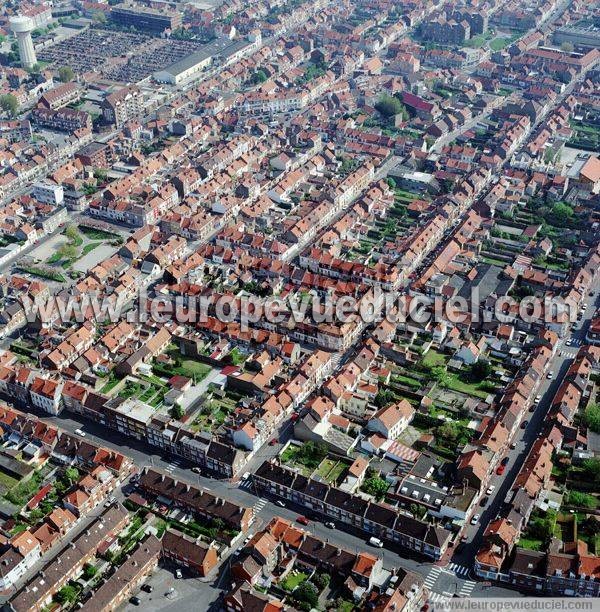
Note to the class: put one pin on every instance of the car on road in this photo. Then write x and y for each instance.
(302, 520)
(490, 489)
(280, 503)
(80, 432)
(136, 601)
(500, 470)
(330, 524)
(475, 519)
(373, 541)
(505, 460)
(524, 424)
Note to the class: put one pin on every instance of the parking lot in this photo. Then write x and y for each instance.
(188, 593)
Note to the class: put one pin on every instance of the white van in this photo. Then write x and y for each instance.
(376, 542)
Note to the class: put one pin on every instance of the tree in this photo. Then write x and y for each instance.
(306, 593)
(389, 106)
(384, 397)
(72, 474)
(449, 432)
(561, 215)
(322, 580)
(99, 17)
(72, 233)
(89, 571)
(218, 524)
(375, 486)
(9, 104)
(592, 417)
(177, 411)
(67, 251)
(440, 375)
(312, 453)
(590, 525)
(591, 469)
(100, 174)
(567, 47)
(391, 182)
(259, 76)
(68, 594)
(66, 74)
(480, 370)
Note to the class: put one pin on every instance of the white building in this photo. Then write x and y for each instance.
(47, 193)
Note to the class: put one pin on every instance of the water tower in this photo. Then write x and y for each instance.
(22, 27)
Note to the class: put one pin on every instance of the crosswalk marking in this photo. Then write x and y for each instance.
(432, 576)
(438, 598)
(459, 570)
(467, 588)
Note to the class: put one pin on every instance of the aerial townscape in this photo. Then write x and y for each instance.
(299, 304)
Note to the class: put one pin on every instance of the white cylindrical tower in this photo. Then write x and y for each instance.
(22, 27)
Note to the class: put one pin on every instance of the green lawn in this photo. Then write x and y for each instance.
(456, 384)
(292, 580)
(97, 234)
(500, 43)
(89, 247)
(331, 470)
(530, 544)
(195, 368)
(213, 414)
(7, 482)
(434, 358)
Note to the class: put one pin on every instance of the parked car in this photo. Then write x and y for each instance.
(550, 375)
(524, 424)
(500, 470)
(178, 573)
(136, 601)
(490, 489)
(80, 432)
(475, 519)
(197, 470)
(373, 541)
(148, 588)
(273, 442)
(505, 460)
(302, 520)
(330, 524)
(484, 500)
(280, 503)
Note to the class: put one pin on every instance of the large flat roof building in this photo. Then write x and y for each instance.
(144, 18)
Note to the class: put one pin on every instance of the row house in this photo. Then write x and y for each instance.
(380, 520)
(196, 499)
